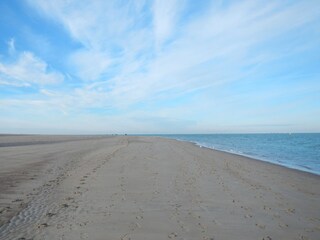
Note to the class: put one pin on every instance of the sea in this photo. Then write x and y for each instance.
(298, 150)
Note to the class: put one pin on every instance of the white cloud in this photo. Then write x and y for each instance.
(100, 26)
(28, 69)
(211, 49)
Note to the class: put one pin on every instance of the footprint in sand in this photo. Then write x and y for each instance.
(49, 214)
(260, 226)
(69, 198)
(267, 238)
(42, 225)
(125, 237)
(84, 236)
(65, 205)
(172, 235)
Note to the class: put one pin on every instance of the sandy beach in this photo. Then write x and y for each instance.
(142, 188)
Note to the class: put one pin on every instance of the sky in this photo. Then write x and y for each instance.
(162, 66)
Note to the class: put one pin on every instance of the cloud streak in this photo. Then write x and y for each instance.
(28, 70)
(11, 46)
(165, 17)
(138, 56)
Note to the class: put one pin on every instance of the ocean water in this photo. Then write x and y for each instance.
(299, 151)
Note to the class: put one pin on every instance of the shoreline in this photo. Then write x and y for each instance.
(276, 163)
(128, 187)
(261, 160)
(250, 158)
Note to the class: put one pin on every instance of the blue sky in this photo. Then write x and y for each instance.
(163, 66)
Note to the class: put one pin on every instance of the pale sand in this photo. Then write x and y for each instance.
(148, 188)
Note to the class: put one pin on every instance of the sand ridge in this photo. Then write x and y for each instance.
(154, 188)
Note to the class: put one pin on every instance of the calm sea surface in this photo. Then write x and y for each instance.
(299, 151)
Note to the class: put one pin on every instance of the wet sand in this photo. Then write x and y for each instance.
(90, 187)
